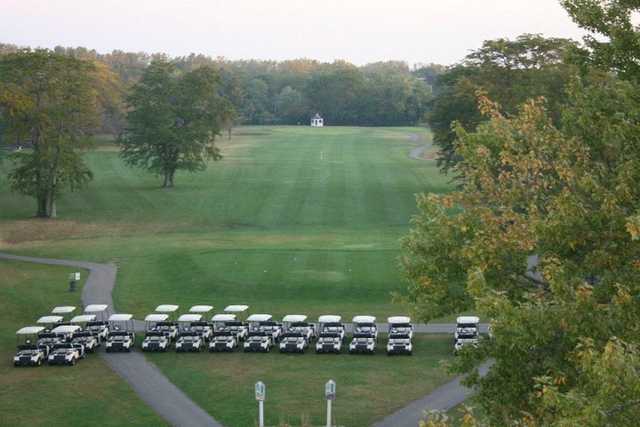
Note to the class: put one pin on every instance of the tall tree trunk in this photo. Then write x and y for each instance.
(52, 212)
(165, 184)
(42, 206)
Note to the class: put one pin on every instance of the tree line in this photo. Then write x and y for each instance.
(542, 235)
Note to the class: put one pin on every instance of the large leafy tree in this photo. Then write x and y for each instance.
(510, 72)
(568, 197)
(48, 104)
(174, 120)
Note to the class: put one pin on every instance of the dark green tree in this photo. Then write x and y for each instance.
(174, 120)
(48, 104)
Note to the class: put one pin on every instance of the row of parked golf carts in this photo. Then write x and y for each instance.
(59, 341)
(64, 339)
(229, 331)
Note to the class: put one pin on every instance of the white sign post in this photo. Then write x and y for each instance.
(330, 394)
(261, 392)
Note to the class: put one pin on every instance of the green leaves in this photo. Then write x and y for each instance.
(174, 119)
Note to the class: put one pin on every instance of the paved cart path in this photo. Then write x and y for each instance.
(443, 398)
(143, 376)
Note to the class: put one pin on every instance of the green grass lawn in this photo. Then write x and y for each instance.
(292, 220)
(87, 394)
(368, 387)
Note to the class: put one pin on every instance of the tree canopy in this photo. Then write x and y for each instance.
(48, 104)
(173, 120)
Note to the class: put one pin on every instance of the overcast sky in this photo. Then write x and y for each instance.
(360, 31)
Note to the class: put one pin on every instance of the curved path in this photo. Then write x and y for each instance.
(177, 409)
(143, 376)
(417, 153)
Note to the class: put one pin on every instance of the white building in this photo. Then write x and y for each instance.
(317, 121)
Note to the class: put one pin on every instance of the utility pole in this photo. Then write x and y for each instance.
(261, 392)
(330, 395)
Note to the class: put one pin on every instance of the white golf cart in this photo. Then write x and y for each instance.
(399, 344)
(363, 342)
(365, 325)
(99, 326)
(28, 352)
(293, 342)
(64, 353)
(264, 323)
(467, 332)
(121, 333)
(88, 339)
(331, 324)
(228, 323)
(189, 341)
(202, 326)
(258, 341)
(223, 341)
(297, 323)
(66, 333)
(400, 325)
(154, 338)
(329, 342)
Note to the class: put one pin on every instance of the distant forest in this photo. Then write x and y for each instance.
(286, 92)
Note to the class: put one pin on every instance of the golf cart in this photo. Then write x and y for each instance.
(189, 340)
(223, 341)
(293, 342)
(196, 325)
(50, 322)
(65, 334)
(297, 323)
(400, 325)
(28, 353)
(121, 333)
(399, 344)
(88, 339)
(329, 342)
(98, 327)
(155, 339)
(331, 324)
(263, 323)
(258, 341)
(227, 323)
(467, 332)
(237, 309)
(64, 353)
(363, 342)
(365, 325)
(46, 341)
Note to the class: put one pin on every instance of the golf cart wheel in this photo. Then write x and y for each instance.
(410, 353)
(39, 362)
(72, 362)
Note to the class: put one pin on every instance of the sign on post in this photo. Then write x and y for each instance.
(330, 390)
(261, 391)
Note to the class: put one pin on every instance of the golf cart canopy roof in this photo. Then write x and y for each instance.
(66, 329)
(29, 330)
(236, 308)
(223, 317)
(63, 309)
(292, 318)
(83, 318)
(121, 317)
(259, 318)
(48, 320)
(190, 318)
(330, 318)
(399, 319)
(468, 319)
(166, 308)
(364, 319)
(155, 317)
(201, 309)
(95, 308)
